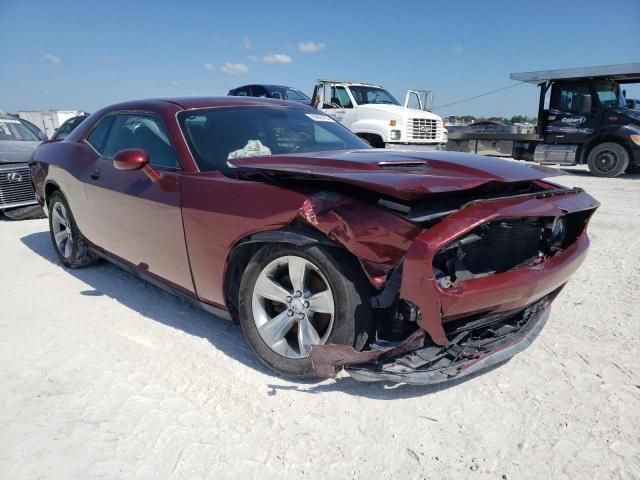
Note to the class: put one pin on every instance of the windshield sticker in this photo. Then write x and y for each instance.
(253, 148)
(9, 120)
(319, 118)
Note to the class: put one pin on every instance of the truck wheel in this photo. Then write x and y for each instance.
(608, 160)
(374, 140)
(291, 298)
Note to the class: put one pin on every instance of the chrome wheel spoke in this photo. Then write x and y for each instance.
(321, 302)
(307, 335)
(60, 237)
(59, 217)
(269, 289)
(67, 248)
(275, 329)
(291, 331)
(297, 273)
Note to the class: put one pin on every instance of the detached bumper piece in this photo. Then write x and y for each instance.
(473, 346)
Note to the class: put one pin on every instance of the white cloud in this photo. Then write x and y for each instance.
(208, 67)
(311, 47)
(234, 68)
(252, 58)
(52, 58)
(247, 43)
(277, 58)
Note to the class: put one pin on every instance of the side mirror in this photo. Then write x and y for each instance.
(131, 159)
(584, 103)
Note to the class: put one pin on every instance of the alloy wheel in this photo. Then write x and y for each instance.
(293, 306)
(62, 229)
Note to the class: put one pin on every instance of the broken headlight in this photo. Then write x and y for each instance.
(553, 233)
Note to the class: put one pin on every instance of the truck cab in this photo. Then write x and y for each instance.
(376, 116)
(588, 120)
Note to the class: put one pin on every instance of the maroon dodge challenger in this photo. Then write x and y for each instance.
(400, 266)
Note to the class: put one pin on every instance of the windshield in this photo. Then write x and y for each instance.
(364, 95)
(285, 93)
(11, 129)
(218, 135)
(609, 95)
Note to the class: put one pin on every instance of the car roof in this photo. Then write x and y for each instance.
(266, 85)
(187, 103)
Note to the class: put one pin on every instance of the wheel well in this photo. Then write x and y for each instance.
(609, 139)
(244, 251)
(373, 139)
(48, 191)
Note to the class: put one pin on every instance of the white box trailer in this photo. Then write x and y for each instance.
(49, 120)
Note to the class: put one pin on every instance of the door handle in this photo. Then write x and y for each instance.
(95, 175)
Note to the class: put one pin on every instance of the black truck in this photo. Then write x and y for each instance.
(588, 121)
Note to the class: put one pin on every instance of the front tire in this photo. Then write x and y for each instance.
(291, 298)
(608, 160)
(68, 243)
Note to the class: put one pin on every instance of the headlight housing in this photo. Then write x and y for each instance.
(553, 233)
(394, 135)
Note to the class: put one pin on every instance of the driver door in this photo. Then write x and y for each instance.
(570, 117)
(338, 105)
(139, 219)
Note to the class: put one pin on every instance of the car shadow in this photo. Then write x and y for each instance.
(106, 279)
(586, 173)
(109, 280)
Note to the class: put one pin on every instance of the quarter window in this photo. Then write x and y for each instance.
(99, 134)
(135, 131)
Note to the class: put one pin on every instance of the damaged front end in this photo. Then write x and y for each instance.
(472, 347)
(473, 288)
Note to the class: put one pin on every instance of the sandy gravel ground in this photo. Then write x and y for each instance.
(104, 376)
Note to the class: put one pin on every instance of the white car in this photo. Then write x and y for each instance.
(373, 114)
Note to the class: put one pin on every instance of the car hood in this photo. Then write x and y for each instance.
(632, 115)
(12, 151)
(399, 111)
(400, 174)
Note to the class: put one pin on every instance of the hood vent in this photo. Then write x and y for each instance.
(417, 166)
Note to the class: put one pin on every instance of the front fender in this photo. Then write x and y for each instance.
(377, 238)
(372, 126)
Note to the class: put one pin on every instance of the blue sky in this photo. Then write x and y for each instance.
(87, 54)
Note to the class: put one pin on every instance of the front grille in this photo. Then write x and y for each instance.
(500, 246)
(16, 188)
(493, 247)
(422, 129)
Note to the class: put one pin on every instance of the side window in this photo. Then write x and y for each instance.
(144, 132)
(99, 134)
(258, 91)
(567, 98)
(340, 96)
(242, 92)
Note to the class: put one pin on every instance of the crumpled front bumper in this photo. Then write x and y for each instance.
(435, 352)
(472, 350)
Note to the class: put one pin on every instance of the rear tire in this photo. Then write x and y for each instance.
(608, 160)
(68, 243)
(332, 271)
